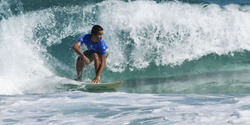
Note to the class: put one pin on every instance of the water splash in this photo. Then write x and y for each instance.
(146, 39)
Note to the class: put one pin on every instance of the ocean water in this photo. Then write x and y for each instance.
(182, 62)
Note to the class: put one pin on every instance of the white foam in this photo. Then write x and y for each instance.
(24, 38)
(20, 55)
(124, 108)
(138, 33)
(169, 33)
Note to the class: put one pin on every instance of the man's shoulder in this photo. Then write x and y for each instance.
(102, 42)
(84, 38)
(86, 35)
(103, 45)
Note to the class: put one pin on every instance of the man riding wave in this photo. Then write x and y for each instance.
(97, 52)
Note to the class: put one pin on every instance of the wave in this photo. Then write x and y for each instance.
(147, 39)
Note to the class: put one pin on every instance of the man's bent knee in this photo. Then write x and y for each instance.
(95, 56)
(80, 61)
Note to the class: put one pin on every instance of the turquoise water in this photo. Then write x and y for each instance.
(179, 60)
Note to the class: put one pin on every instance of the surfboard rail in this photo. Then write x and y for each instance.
(93, 87)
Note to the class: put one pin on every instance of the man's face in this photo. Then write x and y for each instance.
(97, 37)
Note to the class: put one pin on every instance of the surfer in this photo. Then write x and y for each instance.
(97, 52)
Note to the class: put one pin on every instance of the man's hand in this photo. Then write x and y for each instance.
(77, 49)
(96, 79)
(87, 61)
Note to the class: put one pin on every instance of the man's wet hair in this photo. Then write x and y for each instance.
(96, 29)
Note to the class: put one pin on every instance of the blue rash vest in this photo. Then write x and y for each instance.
(99, 47)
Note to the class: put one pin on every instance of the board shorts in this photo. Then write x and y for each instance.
(89, 53)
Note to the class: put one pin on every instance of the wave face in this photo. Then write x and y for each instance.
(147, 40)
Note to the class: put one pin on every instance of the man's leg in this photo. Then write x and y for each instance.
(96, 61)
(80, 63)
(79, 68)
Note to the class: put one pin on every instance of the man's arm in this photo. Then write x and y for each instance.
(101, 67)
(77, 49)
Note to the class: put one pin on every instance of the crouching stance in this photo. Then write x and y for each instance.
(96, 52)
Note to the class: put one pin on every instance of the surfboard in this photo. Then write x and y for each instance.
(92, 87)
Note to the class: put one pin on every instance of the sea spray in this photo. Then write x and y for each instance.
(146, 39)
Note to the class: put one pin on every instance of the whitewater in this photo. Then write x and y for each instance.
(182, 62)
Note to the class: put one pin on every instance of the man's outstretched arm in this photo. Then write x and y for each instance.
(100, 69)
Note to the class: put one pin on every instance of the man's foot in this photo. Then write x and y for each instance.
(78, 79)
